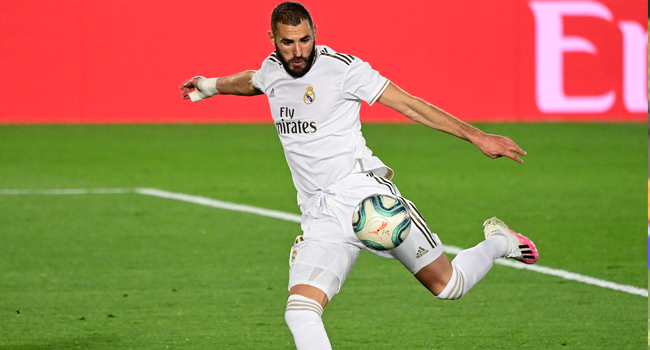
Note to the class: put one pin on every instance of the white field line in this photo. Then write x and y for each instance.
(67, 191)
(219, 204)
(296, 218)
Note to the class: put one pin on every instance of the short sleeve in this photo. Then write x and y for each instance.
(258, 78)
(363, 83)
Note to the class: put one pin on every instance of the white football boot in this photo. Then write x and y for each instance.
(521, 247)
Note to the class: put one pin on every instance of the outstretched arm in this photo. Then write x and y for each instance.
(239, 84)
(416, 109)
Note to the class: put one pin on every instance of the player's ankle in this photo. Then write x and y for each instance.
(503, 242)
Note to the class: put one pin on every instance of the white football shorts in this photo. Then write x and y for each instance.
(324, 255)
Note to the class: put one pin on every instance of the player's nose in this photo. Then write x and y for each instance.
(297, 51)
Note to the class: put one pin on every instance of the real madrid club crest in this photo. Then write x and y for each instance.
(310, 96)
(293, 256)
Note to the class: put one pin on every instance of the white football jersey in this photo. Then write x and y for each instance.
(317, 117)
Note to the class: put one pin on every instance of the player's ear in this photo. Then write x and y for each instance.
(315, 30)
(272, 37)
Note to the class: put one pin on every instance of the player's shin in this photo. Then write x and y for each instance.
(303, 316)
(470, 266)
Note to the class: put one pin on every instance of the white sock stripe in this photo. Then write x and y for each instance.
(461, 288)
(300, 303)
(320, 314)
(303, 302)
(453, 288)
(458, 287)
(296, 303)
(297, 298)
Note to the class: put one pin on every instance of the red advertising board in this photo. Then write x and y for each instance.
(119, 61)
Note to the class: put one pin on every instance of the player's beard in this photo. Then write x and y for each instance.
(287, 64)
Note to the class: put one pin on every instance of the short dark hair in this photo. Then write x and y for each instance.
(290, 13)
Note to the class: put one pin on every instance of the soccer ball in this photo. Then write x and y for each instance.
(381, 222)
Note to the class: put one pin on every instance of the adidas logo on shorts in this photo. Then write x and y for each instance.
(421, 252)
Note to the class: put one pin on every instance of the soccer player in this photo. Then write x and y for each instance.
(315, 95)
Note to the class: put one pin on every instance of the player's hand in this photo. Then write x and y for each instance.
(495, 146)
(188, 86)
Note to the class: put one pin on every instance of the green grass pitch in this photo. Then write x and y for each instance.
(126, 271)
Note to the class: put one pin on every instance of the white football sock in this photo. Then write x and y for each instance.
(303, 316)
(471, 265)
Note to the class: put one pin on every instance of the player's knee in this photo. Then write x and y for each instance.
(302, 311)
(456, 287)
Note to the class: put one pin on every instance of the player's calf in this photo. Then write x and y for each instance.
(304, 318)
(471, 265)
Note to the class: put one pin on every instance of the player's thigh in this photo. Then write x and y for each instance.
(322, 265)
(422, 247)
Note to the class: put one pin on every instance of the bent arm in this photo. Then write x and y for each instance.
(240, 84)
(416, 109)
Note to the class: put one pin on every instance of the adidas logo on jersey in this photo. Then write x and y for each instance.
(272, 94)
(421, 252)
